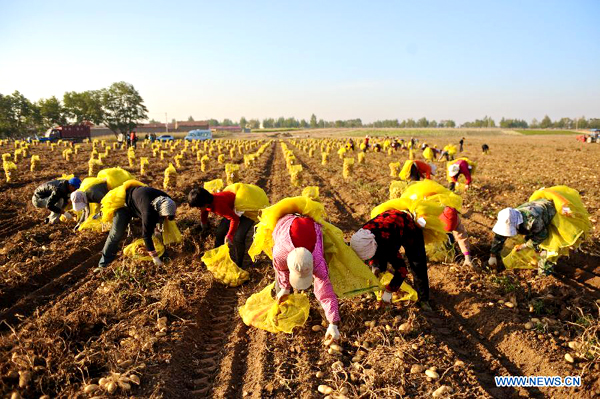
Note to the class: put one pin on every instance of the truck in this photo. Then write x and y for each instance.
(74, 133)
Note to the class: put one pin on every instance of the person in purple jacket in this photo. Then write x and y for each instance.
(298, 259)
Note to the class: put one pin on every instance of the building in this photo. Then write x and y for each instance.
(226, 129)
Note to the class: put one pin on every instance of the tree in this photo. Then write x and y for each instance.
(313, 121)
(190, 118)
(153, 121)
(268, 123)
(321, 123)
(51, 112)
(17, 115)
(432, 124)
(228, 122)
(84, 106)
(546, 122)
(213, 122)
(243, 122)
(254, 123)
(534, 123)
(123, 107)
(449, 123)
(581, 123)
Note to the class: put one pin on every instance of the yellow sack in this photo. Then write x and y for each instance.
(224, 270)
(396, 188)
(430, 211)
(569, 226)
(90, 223)
(440, 252)
(264, 312)
(348, 274)
(10, 170)
(171, 233)
(411, 294)
(526, 258)
(248, 197)
(405, 172)
(115, 199)
(214, 186)
(137, 249)
(394, 166)
(170, 177)
(311, 192)
(232, 173)
(115, 177)
(472, 166)
(428, 154)
(451, 149)
(432, 191)
(90, 182)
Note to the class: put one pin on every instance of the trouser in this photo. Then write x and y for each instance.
(115, 235)
(238, 252)
(43, 203)
(417, 262)
(415, 175)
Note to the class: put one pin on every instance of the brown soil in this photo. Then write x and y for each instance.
(69, 327)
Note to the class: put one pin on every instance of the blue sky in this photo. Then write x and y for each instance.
(374, 60)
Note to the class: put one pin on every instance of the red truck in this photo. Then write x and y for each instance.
(74, 133)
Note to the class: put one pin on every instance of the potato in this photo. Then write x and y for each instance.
(316, 328)
(325, 390)
(336, 347)
(111, 387)
(24, 378)
(569, 358)
(432, 374)
(135, 379)
(91, 388)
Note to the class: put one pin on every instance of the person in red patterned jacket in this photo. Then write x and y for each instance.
(233, 227)
(379, 242)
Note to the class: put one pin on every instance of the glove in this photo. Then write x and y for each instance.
(493, 261)
(157, 261)
(282, 294)
(386, 296)
(52, 219)
(68, 216)
(332, 333)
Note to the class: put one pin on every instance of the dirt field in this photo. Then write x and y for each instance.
(64, 327)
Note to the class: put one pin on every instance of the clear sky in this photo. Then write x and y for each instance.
(442, 59)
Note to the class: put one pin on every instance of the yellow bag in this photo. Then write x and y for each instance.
(114, 177)
(569, 226)
(405, 172)
(171, 233)
(264, 312)
(232, 173)
(428, 154)
(90, 182)
(311, 192)
(10, 170)
(348, 167)
(526, 258)
(214, 186)
(224, 270)
(396, 188)
(115, 199)
(451, 149)
(432, 191)
(90, 223)
(248, 197)
(394, 166)
(430, 211)
(137, 249)
(440, 252)
(170, 177)
(411, 294)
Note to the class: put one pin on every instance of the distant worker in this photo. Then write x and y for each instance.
(133, 139)
(54, 195)
(152, 207)
(460, 167)
(417, 170)
(457, 232)
(485, 149)
(379, 241)
(233, 228)
(461, 142)
(298, 259)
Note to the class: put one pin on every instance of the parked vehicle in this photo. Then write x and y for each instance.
(165, 137)
(198, 135)
(74, 133)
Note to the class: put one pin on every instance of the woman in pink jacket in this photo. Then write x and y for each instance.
(298, 258)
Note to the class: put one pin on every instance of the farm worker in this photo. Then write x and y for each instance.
(350, 145)
(485, 149)
(419, 170)
(461, 142)
(298, 258)
(460, 167)
(54, 195)
(531, 219)
(366, 142)
(133, 139)
(379, 242)
(233, 227)
(453, 224)
(150, 205)
(81, 200)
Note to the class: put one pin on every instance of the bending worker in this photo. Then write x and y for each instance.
(460, 167)
(298, 258)
(150, 205)
(233, 227)
(531, 219)
(54, 195)
(81, 200)
(379, 242)
(453, 224)
(418, 170)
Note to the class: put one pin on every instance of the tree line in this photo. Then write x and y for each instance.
(119, 107)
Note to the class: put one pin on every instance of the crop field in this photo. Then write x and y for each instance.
(64, 327)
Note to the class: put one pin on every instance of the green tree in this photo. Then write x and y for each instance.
(432, 124)
(153, 121)
(84, 106)
(449, 123)
(243, 122)
(313, 121)
(268, 123)
(51, 112)
(213, 122)
(190, 118)
(546, 122)
(321, 123)
(228, 122)
(254, 124)
(123, 107)
(582, 123)
(534, 123)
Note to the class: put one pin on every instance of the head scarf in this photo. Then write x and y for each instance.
(364, 244)
(508, 220)
(79, 200)
(164, 205)
(453, 169)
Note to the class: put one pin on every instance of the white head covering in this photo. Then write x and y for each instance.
(300, 265)
(165, 206)
(364, 244)
(453, 169)
(79, 200)
(508, 220)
